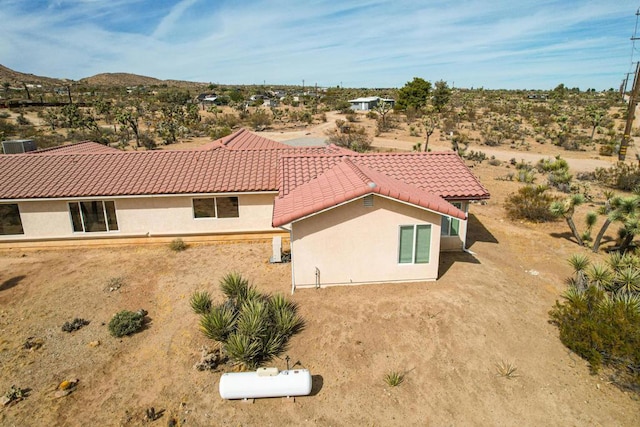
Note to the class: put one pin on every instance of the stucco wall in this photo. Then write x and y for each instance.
(156, 216)
(356, 244)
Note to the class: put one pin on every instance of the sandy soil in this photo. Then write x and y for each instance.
(487, 308)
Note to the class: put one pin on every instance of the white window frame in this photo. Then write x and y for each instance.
(104, 213)
(414, 252)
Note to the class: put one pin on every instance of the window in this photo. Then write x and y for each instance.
(93, 216)
(415, 244)
(10, 222)
(216, 207)
(451, 226)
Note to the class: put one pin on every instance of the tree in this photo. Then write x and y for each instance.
(441, 95)
(128, 118)
(383, 108)
(566, 208)
(350, 136)
(414, 94)
(430, 120)
(594, 116)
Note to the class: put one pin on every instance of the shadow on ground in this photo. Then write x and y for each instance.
(447, 259)
(477, 232)
(10, 283)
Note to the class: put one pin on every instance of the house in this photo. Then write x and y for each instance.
(344, 212)
(395, 211)
(369, 103)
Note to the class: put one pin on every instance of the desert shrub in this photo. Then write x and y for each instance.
(126, 322)
(599, 317)
(217, 132)
(200, 302)
(606, 150)
(252, 327)
(74, 325)
(478, 156)
(4, 115)
(350, 136)
(372, 115)
(526, 176)
(494, 162)
(177, 245)
(260, 119)
(623, 176)
(351, 117)
(531, 203)
(22, 120)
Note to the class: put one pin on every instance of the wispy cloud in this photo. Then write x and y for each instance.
(510, 44)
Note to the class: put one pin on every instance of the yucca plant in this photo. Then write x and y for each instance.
(253, 319)
(580, 262)
(600, 275)
(627, 280)
(200, 302)
(630, 302)
(287, 322)
(574, 295)
(218, 323)
(244, 349)
(235, 287)
(394, 378)
(279, 301)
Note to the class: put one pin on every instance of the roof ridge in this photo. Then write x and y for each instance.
(356, 169)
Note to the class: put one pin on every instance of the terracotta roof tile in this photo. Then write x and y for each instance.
(347, 180)
(77, 148)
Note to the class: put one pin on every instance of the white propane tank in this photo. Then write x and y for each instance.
(265, 382)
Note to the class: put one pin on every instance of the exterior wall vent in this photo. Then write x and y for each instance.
(368, 201)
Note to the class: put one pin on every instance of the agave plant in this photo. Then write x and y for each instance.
(253, 318)
(287, 322)
(218, 323)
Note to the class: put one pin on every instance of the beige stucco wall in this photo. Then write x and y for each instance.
(353, 244)
(141, 216)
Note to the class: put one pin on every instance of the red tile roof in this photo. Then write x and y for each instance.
(309, 184)
(83, 147)
(244, 140)
(347, 181)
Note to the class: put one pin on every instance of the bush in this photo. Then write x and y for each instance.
(177, 245)
(74, 325)
(126, 322)
(623, 176)
(530, 203)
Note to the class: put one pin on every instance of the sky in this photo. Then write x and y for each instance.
(495, 44)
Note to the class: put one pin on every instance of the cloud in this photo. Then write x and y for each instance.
(359, 43)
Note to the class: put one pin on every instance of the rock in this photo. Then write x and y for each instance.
(94, 343)
(4, 400)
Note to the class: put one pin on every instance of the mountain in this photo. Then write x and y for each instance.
(16, 79)
(120, 80)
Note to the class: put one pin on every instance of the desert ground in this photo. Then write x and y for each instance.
(489, 307)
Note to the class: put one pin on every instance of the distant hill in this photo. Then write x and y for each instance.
(15, 78)
(120, 80)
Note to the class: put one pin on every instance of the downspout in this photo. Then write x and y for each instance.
(293, 280)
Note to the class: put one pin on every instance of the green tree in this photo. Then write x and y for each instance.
(431, 121)
(441, 95)
(414, 94)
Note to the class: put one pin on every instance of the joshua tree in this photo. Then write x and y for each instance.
(566, 208)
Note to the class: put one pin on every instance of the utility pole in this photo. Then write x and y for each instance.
(633, 100)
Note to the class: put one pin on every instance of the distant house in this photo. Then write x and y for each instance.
(366, 104)
(351, 218)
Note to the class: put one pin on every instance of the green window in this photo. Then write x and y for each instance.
(451, 226)
(93, 216)
(415, 244)
(10, 221)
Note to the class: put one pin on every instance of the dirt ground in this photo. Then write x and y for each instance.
(489, 307)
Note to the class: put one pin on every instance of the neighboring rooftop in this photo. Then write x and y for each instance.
(84, 147)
